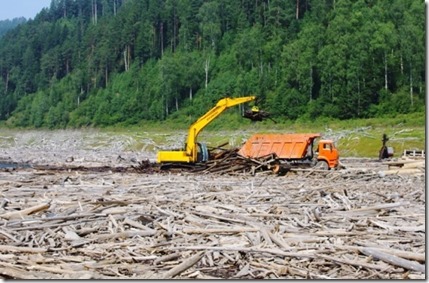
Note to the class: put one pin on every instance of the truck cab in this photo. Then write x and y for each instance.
(327, 153)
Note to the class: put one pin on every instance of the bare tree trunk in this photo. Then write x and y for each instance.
(385, 71)
(311, 83)
(358, 85)
(266, 8)
(114, 8)
(127, 58)
(93, 12)
(297, 9)
(190, 94)
(64, 10)
(198, 41)
(275, 80)
(174, 29)
(154, 47)
(7, 82)
(78, 97)
(67, 66)
(206, 69)
(106, 74)
(96, 12)
(161, 36)
(411, 85)
(177, 104)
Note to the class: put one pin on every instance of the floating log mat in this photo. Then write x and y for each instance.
(85, 224)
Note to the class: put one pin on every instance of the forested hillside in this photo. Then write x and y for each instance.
(103, 62)
(7, 25)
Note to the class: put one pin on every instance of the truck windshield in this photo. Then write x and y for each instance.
(327, 146)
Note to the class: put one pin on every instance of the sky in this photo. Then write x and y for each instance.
(10, 9)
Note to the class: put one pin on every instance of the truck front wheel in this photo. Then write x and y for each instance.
(322, 165)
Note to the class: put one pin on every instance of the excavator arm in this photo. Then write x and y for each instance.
(212, 114)
(190, 153)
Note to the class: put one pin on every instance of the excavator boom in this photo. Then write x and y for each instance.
(212, 114)
(189, 155)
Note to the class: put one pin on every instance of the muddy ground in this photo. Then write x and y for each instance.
(361, 222)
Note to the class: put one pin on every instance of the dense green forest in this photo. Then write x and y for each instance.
(7, 25)
(104, 62)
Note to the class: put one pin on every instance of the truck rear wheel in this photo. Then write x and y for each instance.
(322, 165)
(281, 169)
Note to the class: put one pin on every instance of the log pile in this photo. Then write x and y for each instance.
(228, 161)
(414, 153)
(222, 162)
(81, 224)
(405, 166)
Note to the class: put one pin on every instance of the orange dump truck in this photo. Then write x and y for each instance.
(293, 149)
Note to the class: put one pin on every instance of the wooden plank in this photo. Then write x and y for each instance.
(226, 230)
(420, 228)
(394, 260)
(400, 253)
(306, 254)
(167, 258)
(187, 263)
(21, 213)
(13, 249)
(354, 262)
(16, 273)
(376, 207)
(123, 235)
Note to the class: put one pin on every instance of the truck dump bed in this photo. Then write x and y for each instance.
(285, 146)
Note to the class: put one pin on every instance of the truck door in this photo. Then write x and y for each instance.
(329, 153)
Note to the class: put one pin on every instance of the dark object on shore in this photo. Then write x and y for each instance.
(385, 151)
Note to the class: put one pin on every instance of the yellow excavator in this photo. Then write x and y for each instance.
(195, 152)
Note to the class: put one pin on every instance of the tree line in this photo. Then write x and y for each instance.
(6, 25)
(104, 62)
